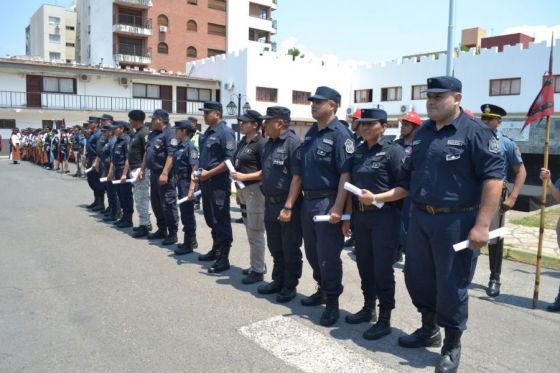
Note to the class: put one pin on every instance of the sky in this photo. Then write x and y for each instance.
(358, 30)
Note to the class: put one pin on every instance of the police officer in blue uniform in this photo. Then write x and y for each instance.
(492, 116)
(376, 169)
(119, 156)
(217, 144)
(185, 161)
(112, 213)
(91, 154)
(323, 166)
(454, 177)
(283, 238)
(159, 160)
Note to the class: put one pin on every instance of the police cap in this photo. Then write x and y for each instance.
(162, 114)
(440, 84)
(251, 116)
(280, 112)
(185, 125)
(493, 111)
(326, 93)
(212, 106)
(372, 115)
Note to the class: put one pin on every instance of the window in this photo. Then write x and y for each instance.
(267, 94)
(300, 97)
(556, 82)
(7, 124)
(145, 90)
(59, 85)
(363, 95)
(70, 45)
(199, 94)
(48, 123)
(54, 56)
(163, 48)
(417, 92)
(191, 52)
(192, 2)
(54, 20)
(391, 94)
(191, 25)
(162, 20)
(214, 52)
(217, 4)
(214, 29)
(54, 38)
(70, 28)
(505, 87)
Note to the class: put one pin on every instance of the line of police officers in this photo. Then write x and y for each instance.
(448, 172)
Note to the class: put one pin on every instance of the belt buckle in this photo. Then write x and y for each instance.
(361, 206)
(430, 210)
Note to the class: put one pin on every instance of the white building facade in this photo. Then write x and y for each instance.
(253, 18)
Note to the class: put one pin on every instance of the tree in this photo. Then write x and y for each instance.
(294, 52)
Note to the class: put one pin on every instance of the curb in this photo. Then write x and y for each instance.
(528, 257)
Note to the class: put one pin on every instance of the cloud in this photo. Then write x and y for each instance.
(539, 32)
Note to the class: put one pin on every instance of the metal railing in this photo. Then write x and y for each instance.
(133, 21)
(73, 102)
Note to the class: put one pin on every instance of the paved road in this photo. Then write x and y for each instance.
(77, 295)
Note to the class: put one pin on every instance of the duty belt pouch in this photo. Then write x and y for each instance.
(504, 195)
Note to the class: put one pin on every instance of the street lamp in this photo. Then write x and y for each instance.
(232, 108)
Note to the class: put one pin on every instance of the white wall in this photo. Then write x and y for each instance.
(101, 36)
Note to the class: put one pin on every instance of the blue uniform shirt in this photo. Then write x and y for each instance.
(377, 169)
(119, 153)
(510, 151)
(216, 145)
(159, 146)
(92, 143)
(324, 155)
(185, 158)
(278, 161)
(107, 150)
(448, 167)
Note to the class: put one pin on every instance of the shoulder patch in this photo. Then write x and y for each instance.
(517, 151)
(174, 142)
(194, 154)
(349, 145)
(494, 146)
(146, 138)
(230, 145)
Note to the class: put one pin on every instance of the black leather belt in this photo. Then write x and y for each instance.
(361, 207)
(182, 176)
(276, 199)
(443, 210)
(322, 193)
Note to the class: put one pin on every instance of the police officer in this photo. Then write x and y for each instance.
(247, 162)
(323, 166)
(100, 149)
(133, 163)
(117, 172)
(492, 116)
(283, 238)
(159, 160)
(112, 212)
(77, 141)
(216, 145)
(376, 169)
(454, 176)
(185, 161)
(94, 134)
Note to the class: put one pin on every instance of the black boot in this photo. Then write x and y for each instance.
(381, 328)
(94, 203)
(330, 314)
(270, 288)
(314, 299)
(495, 254)
(222, 263)
(126, 221)
(555, 307)
(194, 242)
(366, 314)
(113, 215)
(450, 352)
(186, 247)
(142, 231)
(170, 239)
(160, 233)
(427, 336)
(252, 278)
(209, 256)
(100, 204)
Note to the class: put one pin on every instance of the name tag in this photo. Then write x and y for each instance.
(376, 165)
(328, 141)
(307, 138)
(278, 162)
(452, 157)
(416, 142)
(380, 153)
(212, 138)
(455, 142)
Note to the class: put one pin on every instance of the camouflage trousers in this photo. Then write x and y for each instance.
(142, 197)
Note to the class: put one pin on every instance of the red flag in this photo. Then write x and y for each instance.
(544, 103)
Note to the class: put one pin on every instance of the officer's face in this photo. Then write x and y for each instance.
(442, 106)
(211, 117)
(157, 124)
(372, 131)
(322, 109)
(273, 127)
(248, 127)
(180, 134)
(118, 131)
(407, 128)
(107, 134)
(491, 122)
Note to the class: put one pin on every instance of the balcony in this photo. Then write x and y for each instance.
(275, 25)
(140, 4)
(72, 102)
(132, 25)
(132, 54)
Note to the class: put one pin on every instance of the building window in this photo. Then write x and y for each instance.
(192, 2)
(217, 4)
(54, 56)
(7, 124)
(199, 94)
(163, 48)
(214, 52)
(505, 87)
(418, 92)
(391, 94)
(191, 25)
(145, 90)
(214, 29)
(162, 20)
(70, 28)
(54, 20)
(54, 38)
(556, 81)
(363, 95)
(72, 45)
(191, 52)
(267, 94)
(59, 85)
(300, 97)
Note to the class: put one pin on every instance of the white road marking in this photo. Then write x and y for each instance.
(307, 349)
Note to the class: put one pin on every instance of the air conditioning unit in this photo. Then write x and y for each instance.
(162, 28)
(229, 86)
(349, 111)
(84, 78)
(123, 81)
(404, 108)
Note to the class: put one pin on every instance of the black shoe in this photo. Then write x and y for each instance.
(450, 352)
(170, 239)
(366, 314)
(270, 288)
(209, 256)
(427, 336)
(381, 328)
(93, 204)
(75, 175)
(330, 314)
(160, 233)
(136, 228)
(286, 295)
(252, 278)
(196, 206)
(238, 221)
(141, 231)
(554, 307)
(125, 222)
(99, 207)
(117, 222)
(185, 247)
(314, 299)
(246, 271)
(349, 242)
(194, 242)
(220, 265)
(493, 289)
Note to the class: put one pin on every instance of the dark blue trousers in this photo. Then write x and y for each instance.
(284, 242)
(124, 192)
(436, 276)
(187, 208)
(112, 197)
(323, 244)
(215, 204)
(164, 202)
(377, 238)
(93, 180)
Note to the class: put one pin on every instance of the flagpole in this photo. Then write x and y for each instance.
(541, 225)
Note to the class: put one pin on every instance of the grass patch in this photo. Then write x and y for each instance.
(533, 220)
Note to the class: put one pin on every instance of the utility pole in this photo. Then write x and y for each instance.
(450, 29)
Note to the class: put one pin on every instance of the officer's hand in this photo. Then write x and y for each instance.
(508, 203)
(110, 177)
(235, 176)
(194, 178)
(346, 228)
(285, 216)
(123, 179)
(545, 174)
(335, 216)
(190, 196)
(478, 237)
(141, 175)
(366, 198)
(163, 178)
(96, 167)
(203, 175)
